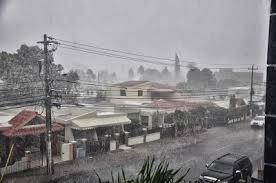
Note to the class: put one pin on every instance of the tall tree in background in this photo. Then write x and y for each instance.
(166, 75)
(130, 73)
(23, 71)
(113, 77)
(141, 70)
(90, 74)
(152, 75)
(201, 79)
(177, 68)
(208, 78)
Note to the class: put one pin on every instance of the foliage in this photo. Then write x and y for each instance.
(228, 83)
(201, 79)
(177, 67)
(150, 173)
(90, 74)
(24, 70)
(130, 73)
(152, 75)
(141, 70)
(182, 86)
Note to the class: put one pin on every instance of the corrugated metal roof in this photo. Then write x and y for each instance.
(95, 122)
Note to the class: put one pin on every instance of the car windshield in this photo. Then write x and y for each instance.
(259, 118)
(221, 167)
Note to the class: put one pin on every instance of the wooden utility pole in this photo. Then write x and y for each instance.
(251, 90)
(48, 105)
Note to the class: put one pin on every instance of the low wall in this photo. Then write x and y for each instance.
(18, 166)
(112, 145)
(135, 140)
(153, 137)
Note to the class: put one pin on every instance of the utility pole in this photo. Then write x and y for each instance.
(251, 90)
(48, 104)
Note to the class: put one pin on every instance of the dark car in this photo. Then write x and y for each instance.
(229, 168)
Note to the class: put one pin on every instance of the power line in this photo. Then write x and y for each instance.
(137, 54)
(114, 86)
(116, 56)
(18, 103)
(75, 48)
(16, 107)
(21, 82)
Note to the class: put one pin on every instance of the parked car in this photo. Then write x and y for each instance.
(229, 168)
(258, 121)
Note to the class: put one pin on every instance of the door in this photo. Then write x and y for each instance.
(66, 152)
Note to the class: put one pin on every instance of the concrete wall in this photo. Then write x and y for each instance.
(112, 145)
(18, 166)
(115, 97)
(135, 140)
(68, 133)
(153, 137)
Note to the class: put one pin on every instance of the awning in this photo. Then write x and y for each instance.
(100, 121)
(31, 130)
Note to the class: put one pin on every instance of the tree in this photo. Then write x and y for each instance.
(141, 70)
(152, 75)
(166, 75)
(113, 77)
(130, 74)
(182, 86)
(201, 79)
(90, 74)
(23, 70)
(193, 76)
(165, 72)
(177, 68)
(103, 76)
(208, 78)
(228, 83)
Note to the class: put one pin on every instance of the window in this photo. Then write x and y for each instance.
(140, 93)
(145, 121)
(122, 92)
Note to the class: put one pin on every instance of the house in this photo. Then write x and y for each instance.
(26, 130)
(139, 92)
(242, 77)
(91, 124)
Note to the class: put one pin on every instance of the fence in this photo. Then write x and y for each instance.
(253, 180)
(18, 166)
(131, 141)
(153, 137)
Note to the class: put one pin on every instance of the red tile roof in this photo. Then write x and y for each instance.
(20, 127)
(22, 118)
(130, 83)
(146, 84)
(160, 86)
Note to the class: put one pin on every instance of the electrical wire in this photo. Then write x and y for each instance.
(137, 54)
(101, 53)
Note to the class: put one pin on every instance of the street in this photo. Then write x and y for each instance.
(182, 152)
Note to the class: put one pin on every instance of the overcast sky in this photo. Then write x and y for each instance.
(205, 31)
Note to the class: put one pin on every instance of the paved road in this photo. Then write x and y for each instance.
(181, 152)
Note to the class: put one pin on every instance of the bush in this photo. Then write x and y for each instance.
(149, 173)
